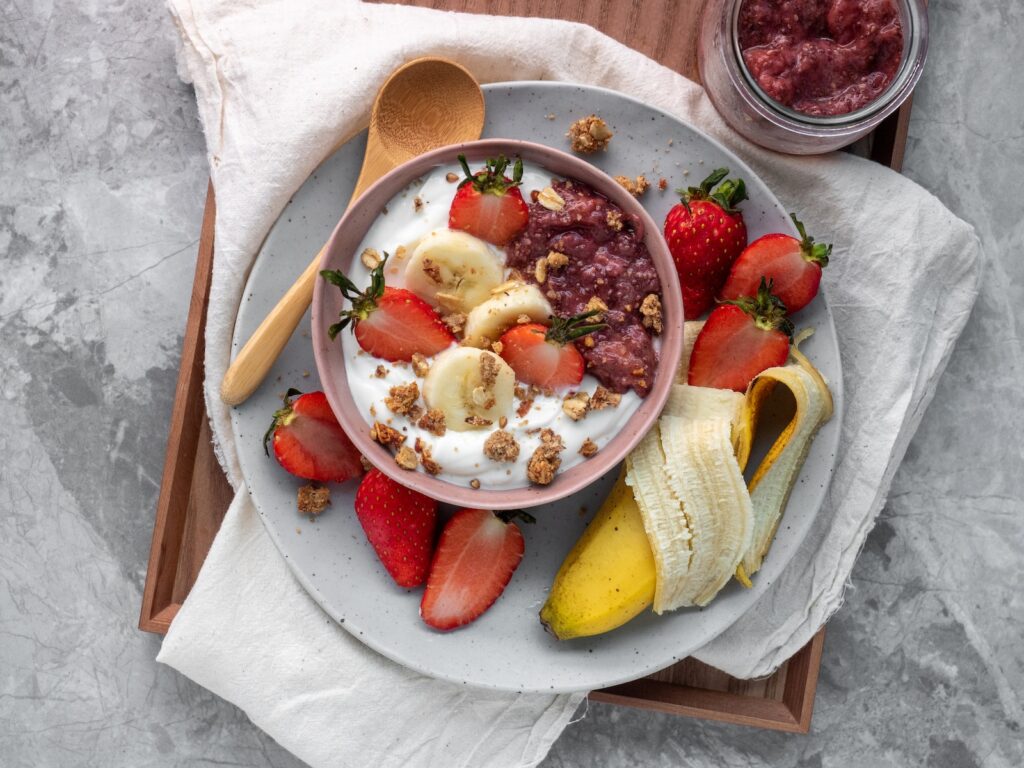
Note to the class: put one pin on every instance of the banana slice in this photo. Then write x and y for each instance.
(487, 321)
(453, 270)
(472, 387)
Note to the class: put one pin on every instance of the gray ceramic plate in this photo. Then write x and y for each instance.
(506, 648)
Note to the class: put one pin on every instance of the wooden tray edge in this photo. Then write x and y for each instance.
(792, 714)
(187, 417)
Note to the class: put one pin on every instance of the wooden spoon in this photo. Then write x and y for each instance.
(424, 104)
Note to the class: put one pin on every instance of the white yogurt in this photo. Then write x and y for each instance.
(460, 454)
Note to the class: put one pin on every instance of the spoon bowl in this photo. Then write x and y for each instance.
(425, 104)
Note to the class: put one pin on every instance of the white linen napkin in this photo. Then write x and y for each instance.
(279, 85)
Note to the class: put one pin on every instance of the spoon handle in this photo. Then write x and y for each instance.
(254, 360)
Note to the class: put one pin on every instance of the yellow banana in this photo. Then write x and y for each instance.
(608, 577)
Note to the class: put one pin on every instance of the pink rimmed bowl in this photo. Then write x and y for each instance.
(341, 252)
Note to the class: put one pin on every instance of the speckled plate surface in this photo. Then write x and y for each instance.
(506, 648)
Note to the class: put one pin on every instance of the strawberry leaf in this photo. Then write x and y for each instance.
(812, 251)
(491, 180)
(566, 329)
(363, 302)
(729, 194)
(767, 309)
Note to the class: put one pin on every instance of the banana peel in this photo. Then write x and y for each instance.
(700, 525)
(776, 474)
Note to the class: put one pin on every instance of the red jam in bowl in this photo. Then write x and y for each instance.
(608, 260)
(821, 57)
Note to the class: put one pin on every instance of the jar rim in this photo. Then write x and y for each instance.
(914, 18)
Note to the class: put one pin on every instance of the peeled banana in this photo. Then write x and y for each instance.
(507, 304)
(453, 270)
(695, 506)
(471, 396)
(596, 589)
(701, 525)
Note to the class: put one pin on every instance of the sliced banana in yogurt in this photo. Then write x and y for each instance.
(486, 322)
(453, 270)
(472, 387)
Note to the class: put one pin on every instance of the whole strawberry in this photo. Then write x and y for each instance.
(739, 340)
(794, 266)
(705, 233)
(309, 442)
(389, 323)
(399, 523)
(488, 204)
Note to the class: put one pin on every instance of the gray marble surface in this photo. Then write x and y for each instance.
(103, 178)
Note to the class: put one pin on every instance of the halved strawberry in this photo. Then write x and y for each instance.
(309, 442)
(400, 524)
(740, 339)
(705, 233)
(475, 558)
(488, 204)
(389, 323)
(793, 265)
(546, 357)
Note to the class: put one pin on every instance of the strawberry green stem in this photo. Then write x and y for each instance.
(766, 308)
(817, 253)
(566, 329)
(491, 179)
(363, 302)
(729, 193)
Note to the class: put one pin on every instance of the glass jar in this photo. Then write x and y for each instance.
(752, 113)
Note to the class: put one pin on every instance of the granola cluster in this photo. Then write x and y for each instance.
(403, 400)
(501, 446)
(650, 309)
(546, 459)
(589, 134)
(313, 500)
(635, 186)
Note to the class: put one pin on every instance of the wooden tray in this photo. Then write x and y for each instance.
(194, 493)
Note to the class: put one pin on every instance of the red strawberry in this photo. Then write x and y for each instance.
(739, 340)
(389, 323)
(309, 442)
(399, 523)
(546, 357)
(475, 558)
(705, 233)
(488, 204)
(793, 265)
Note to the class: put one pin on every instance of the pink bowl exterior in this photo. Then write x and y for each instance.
(327, 302)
